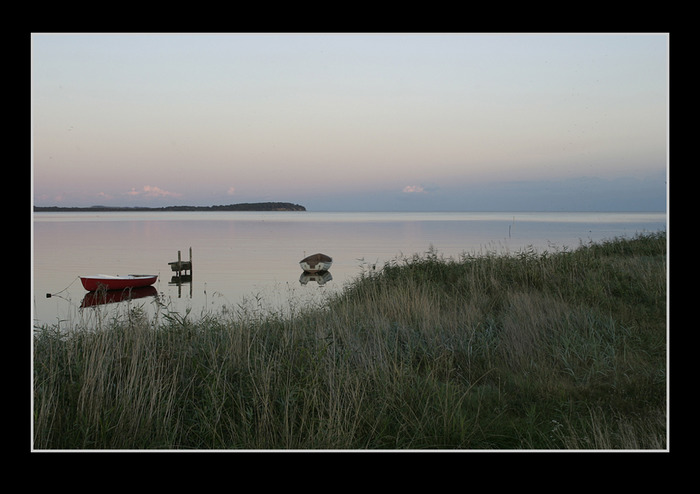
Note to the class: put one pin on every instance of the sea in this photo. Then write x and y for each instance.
(247, 263)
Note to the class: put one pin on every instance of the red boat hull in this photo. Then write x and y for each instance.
(93, 283)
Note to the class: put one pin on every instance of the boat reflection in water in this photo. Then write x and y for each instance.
(320, 277)
(101, 297)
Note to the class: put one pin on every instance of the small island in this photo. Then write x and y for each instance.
(247, 206)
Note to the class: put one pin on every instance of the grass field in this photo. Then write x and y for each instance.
(532, 350)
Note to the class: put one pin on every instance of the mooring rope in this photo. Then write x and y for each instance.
(49, 295)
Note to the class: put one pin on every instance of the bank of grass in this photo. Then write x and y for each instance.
(532, 350)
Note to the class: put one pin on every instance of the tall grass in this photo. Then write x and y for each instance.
(533, 350)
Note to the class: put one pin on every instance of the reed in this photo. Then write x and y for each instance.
(531, 350)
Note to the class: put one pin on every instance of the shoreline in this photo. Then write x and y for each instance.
(257, 206)
(551, 351)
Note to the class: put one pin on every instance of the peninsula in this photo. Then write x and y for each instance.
(254, 206)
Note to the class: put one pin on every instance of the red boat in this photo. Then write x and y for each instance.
(107, 282)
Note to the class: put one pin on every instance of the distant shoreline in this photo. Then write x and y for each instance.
(255, 206)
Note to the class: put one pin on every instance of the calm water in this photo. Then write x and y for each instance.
(249, 259)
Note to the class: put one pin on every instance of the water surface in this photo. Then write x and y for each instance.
(249, 258)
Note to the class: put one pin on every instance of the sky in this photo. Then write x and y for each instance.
(352, 122)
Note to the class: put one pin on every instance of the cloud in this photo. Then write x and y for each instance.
(414, 189)
(151, 191)
(231, 191)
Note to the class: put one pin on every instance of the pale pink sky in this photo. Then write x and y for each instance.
(351, 121)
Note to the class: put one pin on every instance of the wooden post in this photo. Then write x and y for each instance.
(179, 267)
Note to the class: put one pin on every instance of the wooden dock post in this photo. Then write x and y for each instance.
(178, 267)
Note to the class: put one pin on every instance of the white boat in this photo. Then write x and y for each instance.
(315, 263)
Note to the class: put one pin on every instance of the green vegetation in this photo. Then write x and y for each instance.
(533, 350)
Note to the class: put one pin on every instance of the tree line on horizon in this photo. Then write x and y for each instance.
(246, 206)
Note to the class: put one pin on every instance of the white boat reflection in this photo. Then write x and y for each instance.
(320, 277)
